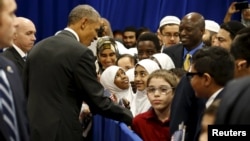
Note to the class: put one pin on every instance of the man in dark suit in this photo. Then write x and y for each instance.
(24, 39)
(60, 74)
(234, 104)
(211, 69)
(192, 27)
(12, 126)
(186, 107)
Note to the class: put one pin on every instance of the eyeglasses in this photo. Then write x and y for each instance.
(163, 90)
(168, 35)
(191, 74)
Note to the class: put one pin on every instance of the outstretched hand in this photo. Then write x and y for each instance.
(85, 112)
(126, 103)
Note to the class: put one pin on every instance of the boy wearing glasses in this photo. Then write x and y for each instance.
(154, 124)
(211, 69)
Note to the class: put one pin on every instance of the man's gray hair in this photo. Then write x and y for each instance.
(81, 11)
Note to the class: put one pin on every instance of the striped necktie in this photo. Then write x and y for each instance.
(7, 108)
(186, 64)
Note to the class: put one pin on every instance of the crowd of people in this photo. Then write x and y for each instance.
(191, 72)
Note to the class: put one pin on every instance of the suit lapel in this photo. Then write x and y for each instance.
(19, 58)
(179, 55)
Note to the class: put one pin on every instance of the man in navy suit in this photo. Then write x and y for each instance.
(60, 74)
(186, 107)
(10, 75)
(192, 27)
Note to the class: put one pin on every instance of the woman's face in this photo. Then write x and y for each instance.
(107, 58)
(121, 80)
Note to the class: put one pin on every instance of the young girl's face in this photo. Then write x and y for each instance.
(141, 76)
(160, 93)
(121, 80)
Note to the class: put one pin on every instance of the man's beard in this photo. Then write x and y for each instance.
(245, 22)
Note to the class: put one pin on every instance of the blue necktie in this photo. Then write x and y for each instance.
(7, 108)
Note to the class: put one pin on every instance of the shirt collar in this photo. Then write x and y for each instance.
(211, 98)
(151, 115)
(73, 32)
(191, 52)
(20, 52)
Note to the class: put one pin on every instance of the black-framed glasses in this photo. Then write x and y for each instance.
(163, 90)
(192, 74)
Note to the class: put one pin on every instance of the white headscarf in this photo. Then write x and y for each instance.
(107, 80)
(149, 65)
(131, 74)
(165, 61)
(140, 102)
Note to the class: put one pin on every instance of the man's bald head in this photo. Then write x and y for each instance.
(25, 34)
(192, 28)
(22, 21)
(196, 18)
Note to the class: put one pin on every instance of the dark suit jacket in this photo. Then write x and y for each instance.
(19, 100)
(198, 130)
(15, 57)
(234, 106)
(187, 108)
(175, 52)
(59, 74)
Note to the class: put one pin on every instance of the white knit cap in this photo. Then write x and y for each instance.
(169, 20)
(212, 25)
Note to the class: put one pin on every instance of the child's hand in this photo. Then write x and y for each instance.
(126, 103)
(113, 98)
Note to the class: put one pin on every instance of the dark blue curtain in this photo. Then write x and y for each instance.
(50, 16)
